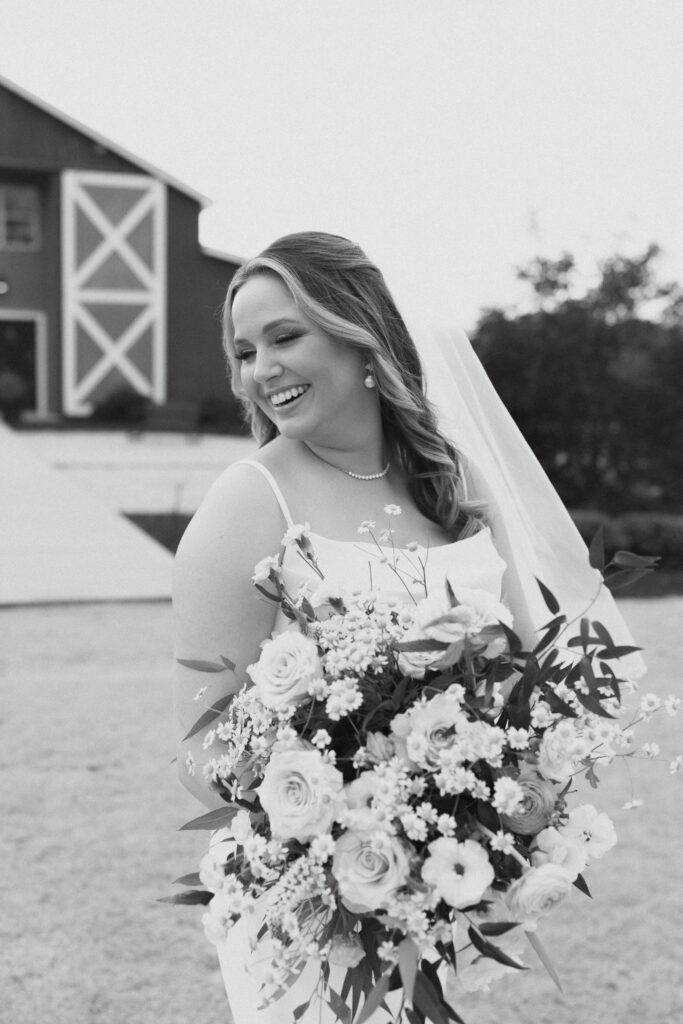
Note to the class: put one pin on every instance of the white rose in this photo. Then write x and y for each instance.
(559, 754)
(301, 794)
(369, 866)
(346, 951)
(416, 663)
(594, 831)
(538, 891)
(288, 664)
(240, 827)
(555, 847)
(212, 866)
(477, 612)
(460, 872)
(427, 729)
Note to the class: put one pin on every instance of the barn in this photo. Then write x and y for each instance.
(105, 290)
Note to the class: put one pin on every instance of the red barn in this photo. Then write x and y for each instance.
(103, 284)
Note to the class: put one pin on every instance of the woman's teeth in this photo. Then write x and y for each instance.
(288, 395)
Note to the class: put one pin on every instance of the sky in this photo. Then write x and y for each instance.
(453, 139)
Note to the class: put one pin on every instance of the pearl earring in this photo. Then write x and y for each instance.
(369, 381)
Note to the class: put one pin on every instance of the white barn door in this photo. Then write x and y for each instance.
(113, 287)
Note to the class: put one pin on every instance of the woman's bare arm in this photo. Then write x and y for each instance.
(217, 610)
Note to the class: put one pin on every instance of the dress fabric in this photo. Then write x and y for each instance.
(474, 563)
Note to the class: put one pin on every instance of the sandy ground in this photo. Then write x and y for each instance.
(88, 842)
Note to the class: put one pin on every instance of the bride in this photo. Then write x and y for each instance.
(325, 366)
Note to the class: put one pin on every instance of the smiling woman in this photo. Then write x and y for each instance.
(331, 379)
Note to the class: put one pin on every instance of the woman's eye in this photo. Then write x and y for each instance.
(243, 355)
(286, 337)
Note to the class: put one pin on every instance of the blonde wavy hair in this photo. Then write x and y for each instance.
(339, 289)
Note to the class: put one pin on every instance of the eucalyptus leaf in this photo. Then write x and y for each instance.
(209, 715)
(189, 897)
(192, 879)
(497, 927)
(407, 964)
(374, 999)
(338, 1006)
(551, 601)
(580, 883)
(540, 952)
(214, 819)
(201, 666)
(627, 560)
(596, 550)
(489, 949)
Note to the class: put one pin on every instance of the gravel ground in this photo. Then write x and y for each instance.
(89, 842)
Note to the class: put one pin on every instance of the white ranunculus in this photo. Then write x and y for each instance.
(477, 612)
(369, 866)
(593, 830)
(425, 730)
(537, 892)
(460, 872)
(288, 665)
(346, 951)
(556, 847)
(301, 794)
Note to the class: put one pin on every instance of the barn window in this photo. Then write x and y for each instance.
(19, 217)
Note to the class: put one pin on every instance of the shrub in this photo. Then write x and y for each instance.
(123, 405)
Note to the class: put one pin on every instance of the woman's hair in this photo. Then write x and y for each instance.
(340, 290)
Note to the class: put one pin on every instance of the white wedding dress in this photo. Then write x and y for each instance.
(473, 563)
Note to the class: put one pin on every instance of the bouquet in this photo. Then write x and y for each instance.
(398, 780)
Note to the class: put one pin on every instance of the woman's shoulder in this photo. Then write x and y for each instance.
(240, 514)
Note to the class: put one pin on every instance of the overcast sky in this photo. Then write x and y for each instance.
(454, 139)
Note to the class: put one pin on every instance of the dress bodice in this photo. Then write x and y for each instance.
(404, 574)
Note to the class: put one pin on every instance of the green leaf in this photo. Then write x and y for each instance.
(551, 633)
(192, 879)
(414, 1017)
(627, 560)
(228, 664)
(209, 715)
(580, 883)
(214, 819)
(540, 952)
(426, 1000)
(300, 1010)
(375, 999)
(338, 1006)
(201, 666)
(592, 704)
(489, 949)
(624, 578)
(497, 927)
(407, 965)
(596, 550)
(551, 601)
(188, 898)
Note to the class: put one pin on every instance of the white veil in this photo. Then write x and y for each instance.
(532, 529)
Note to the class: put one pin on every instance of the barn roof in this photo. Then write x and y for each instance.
(113, 147)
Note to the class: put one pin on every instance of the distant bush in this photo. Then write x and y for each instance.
(221, 415)
(644, 533)
(124, 405)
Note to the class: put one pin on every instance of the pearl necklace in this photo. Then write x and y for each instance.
(349, 472)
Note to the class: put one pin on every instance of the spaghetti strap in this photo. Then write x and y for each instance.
(273, 486)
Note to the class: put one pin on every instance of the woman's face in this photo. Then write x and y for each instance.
(309, 385)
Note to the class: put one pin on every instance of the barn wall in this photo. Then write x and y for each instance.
(197, 284)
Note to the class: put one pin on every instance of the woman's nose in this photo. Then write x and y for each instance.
(266, 367)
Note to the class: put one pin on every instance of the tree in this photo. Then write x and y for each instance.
(594, 382)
